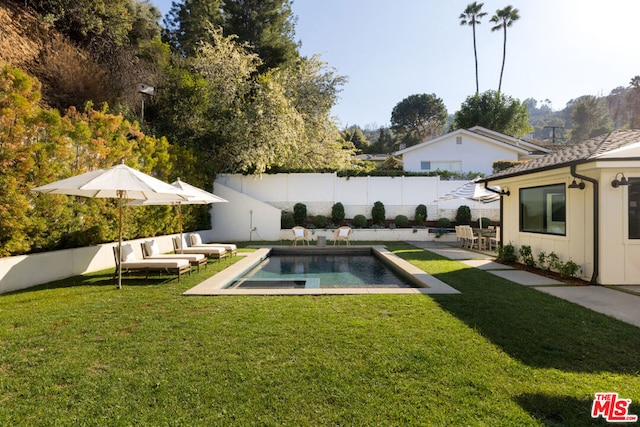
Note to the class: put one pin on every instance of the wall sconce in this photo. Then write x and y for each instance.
(574, 184)
(617, 183)
(505, 191)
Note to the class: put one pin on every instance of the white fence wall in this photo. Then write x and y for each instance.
(24, 271)
(249, 196)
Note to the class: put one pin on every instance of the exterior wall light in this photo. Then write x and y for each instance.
(617, 183)
(574, 184)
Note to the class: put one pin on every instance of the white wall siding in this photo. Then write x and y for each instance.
(475, 154)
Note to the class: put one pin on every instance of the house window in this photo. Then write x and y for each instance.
(543, 209)
(634, 208)
(451, 166)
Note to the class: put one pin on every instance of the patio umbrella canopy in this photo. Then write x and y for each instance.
(196, 196)
(472, 191)
(121, 182)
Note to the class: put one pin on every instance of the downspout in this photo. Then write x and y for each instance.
(502, 194)
(596, 228)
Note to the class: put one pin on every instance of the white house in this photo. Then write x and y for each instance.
(472, 150)
(581, 203)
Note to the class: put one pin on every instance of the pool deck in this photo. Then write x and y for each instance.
(215, 285)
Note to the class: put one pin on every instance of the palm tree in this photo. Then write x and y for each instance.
(504, 18)
(471, 16)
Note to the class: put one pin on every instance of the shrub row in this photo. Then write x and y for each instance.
(378, 217)
(550, 262)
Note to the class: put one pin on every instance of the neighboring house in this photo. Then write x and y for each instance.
(464, 151)
(581, 203)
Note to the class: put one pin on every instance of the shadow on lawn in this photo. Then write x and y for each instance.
(98, 279)
(539, 329)
(536, 328)
(565, 410)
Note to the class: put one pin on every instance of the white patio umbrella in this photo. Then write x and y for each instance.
(121, 182)
(196, 196)
(472, 190)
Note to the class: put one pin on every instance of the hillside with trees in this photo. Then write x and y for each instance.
(245, 102)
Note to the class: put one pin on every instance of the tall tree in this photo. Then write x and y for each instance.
(495, 111)
(590, 118)
(418, 118)
(471, 16)
(188, 23)
(268, 26)
(504, 18)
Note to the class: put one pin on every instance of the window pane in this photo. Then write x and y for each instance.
(425, 166)
(634, 208)
(543, 209)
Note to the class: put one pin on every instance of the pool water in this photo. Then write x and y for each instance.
(321, 270)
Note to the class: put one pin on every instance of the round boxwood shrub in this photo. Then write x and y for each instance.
(463, 215)
(337, 213)
(421, 214)
(484, 222)
(443, 223)
(378, 214)
(300, 213)
(320, 221)
(286, 220)
(402, 221)
(359, 221)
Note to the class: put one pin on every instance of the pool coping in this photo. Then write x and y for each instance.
(426, 283)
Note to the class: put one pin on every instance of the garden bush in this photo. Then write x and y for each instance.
(320, 221)
(486, 222)
(463, 215)
(378, 214)
(300, 213)
(337, 213)
(402, 221)
(443, 223)
(527, 256)
(507, 253)
(286, 220)
(421, 214)
(359, 221)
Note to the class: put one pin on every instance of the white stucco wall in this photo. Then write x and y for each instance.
(476, 154)
(260, 200)
(24, 271)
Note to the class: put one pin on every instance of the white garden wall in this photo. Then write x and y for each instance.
(21, 272)
(255, 199)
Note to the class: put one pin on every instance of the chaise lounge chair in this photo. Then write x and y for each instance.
(180, 247)
(300, 233)
(196, 241)
(150, 250)
(129, 262)
(342, 233)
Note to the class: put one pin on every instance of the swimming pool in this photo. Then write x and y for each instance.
(335, 269)
(222, 282)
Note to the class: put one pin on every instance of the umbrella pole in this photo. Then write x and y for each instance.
(120, 194)
(180, 222)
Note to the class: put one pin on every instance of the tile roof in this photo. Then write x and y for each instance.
(578, 153)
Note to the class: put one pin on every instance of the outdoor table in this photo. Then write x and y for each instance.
(484, 233)
(322, 241)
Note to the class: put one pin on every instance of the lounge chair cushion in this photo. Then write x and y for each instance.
(127, 253)
(344, 232)
(156, 264)
(299, 232)
(195, 239)
(152, 247)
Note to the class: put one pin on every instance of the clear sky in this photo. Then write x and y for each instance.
(558, 50)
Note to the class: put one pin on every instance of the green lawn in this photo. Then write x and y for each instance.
(80, 352)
